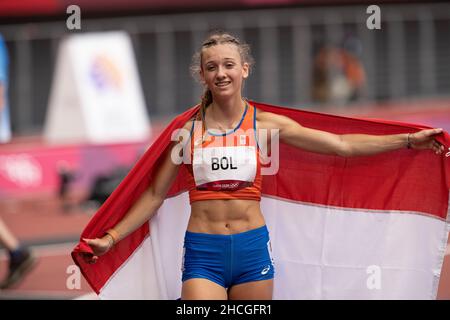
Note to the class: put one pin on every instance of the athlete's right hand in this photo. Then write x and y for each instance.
(99, 246)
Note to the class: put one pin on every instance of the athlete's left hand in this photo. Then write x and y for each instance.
(424, 139)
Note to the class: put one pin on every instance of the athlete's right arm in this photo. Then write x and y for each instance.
(142, 210)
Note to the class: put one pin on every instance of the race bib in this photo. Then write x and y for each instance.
(224, 168)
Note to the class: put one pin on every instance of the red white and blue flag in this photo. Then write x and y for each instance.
(366, 227)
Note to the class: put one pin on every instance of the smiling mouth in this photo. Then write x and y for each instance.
(222, 83)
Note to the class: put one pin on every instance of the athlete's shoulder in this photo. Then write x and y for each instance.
(264, 116)
(188, 124)
(189, 116)
(271, 120)
(261, 113)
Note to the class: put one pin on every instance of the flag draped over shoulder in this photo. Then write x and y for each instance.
(366, 227)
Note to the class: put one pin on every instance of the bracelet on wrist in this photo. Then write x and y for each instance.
(110, 240)
(408, 141)
(113, 235)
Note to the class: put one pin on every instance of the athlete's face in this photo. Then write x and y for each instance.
(223, 71)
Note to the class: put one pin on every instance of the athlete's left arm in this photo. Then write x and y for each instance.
(346, 145)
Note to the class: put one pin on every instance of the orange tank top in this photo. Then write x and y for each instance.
(225, 165)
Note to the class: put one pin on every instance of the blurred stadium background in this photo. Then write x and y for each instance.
(314, 55)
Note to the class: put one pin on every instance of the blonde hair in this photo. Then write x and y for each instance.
(213, 39)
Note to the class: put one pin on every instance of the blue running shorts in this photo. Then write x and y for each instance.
(228, 259)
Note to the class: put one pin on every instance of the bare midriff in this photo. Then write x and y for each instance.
(225, 216)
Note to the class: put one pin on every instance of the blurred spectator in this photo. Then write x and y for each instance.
(21, 259)
(101, 188)
(99, 191)
(66, 176)
(5, 127)
(338, 74)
